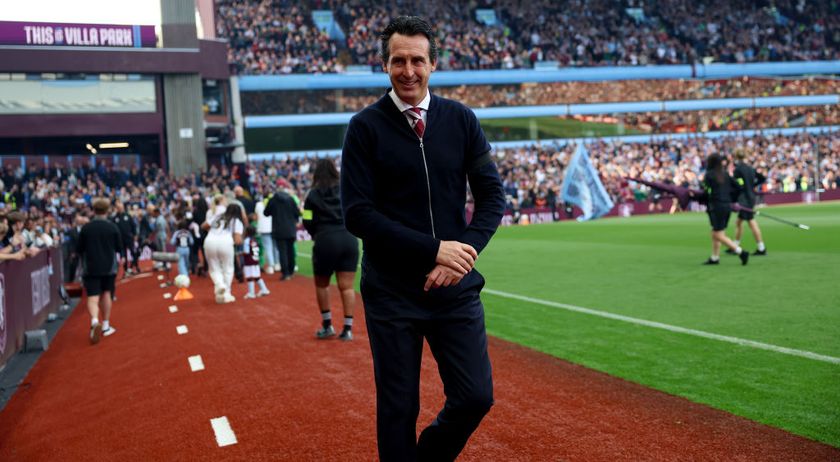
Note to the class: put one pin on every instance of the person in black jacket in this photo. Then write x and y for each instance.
(335, 250)
(721, 190)
(99, 243)
(284, 214)
(72, 243)
(405, 165)
(125, 223)
(747, 178)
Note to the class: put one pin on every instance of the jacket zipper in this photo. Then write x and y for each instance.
(428, 187)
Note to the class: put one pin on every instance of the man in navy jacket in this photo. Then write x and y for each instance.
(405, 165)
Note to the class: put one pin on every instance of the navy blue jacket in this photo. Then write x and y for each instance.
(400, 212)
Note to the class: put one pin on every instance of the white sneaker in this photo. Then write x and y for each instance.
(109, 331)
(277, 267)
(228, 298)
(263, 293)
(249, 296)
(269, 270)
(220, 295)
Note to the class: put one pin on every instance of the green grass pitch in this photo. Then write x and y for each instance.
(648, 268)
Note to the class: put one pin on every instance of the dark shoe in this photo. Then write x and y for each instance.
(760, 252)
(730, 252)
(711, 262)
(346, 335)
(745, 257)
(325, 332)
(95, 333)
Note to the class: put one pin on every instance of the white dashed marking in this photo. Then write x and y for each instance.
(196, 364)
(224, 434)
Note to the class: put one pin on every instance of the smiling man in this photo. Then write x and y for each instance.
(405, 166)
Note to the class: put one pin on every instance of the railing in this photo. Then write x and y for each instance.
(28, 293)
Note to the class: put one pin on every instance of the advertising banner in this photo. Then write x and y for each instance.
(76, 35)
(28, 293)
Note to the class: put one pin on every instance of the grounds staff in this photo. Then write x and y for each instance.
(403, 193)
(721, 190)
(747, 178)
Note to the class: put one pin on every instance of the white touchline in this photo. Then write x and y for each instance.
(173, 309)
(659, 325)
(224, 434)
(196, 364)
(182, 329)
(668, 327)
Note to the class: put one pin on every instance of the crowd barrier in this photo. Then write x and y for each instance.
(547, 215)
(28, 293)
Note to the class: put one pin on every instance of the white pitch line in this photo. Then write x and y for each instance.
(196, 364)
(182, 329)
(173, 309)
(224, 434)
(670, 328)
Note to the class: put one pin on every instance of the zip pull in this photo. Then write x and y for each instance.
(421, 143)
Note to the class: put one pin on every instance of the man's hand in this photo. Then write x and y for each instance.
(456, 255)
(442, 276)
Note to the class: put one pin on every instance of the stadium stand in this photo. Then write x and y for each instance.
(281, 37)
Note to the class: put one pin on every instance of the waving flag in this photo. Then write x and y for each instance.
(583, 188)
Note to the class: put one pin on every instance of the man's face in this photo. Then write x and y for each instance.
(409, 66)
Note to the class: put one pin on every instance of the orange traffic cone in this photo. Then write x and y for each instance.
(183, 294)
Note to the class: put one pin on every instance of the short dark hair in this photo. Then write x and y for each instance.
(407, 25)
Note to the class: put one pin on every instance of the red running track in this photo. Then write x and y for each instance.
(290, 397)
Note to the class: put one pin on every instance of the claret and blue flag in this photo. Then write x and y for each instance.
(583, 188)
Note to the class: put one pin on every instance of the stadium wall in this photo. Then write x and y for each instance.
(22, 309)
(584, 74)
(561, 110)
(627, 209)
(562, 141)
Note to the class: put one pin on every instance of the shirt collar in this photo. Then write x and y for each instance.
(403, 106)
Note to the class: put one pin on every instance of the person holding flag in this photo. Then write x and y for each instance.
(720, 188)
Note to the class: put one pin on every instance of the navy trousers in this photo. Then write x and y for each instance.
(459, 346)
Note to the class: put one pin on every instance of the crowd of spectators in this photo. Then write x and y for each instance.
(41, 207)
(280, 37)
(274, 37)
(532, 175)
(480, 96)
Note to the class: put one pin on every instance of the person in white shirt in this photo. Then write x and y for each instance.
(272, 256)
(225, 231)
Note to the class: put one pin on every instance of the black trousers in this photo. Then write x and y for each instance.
(286, 248)
(460, 348)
